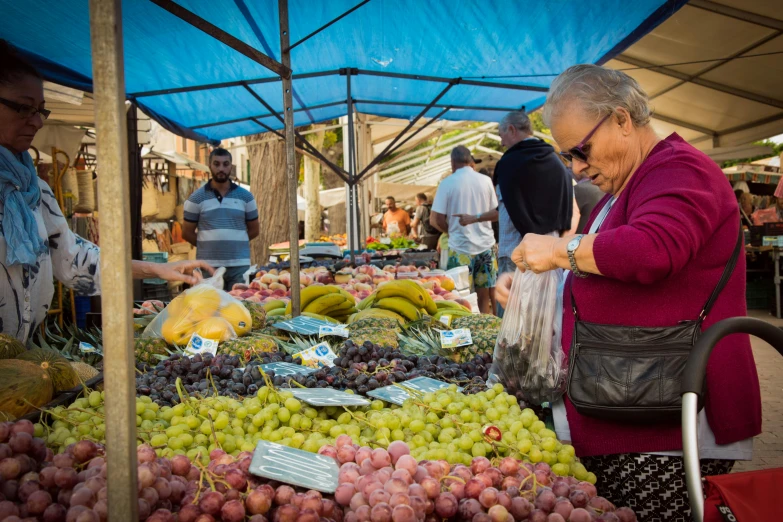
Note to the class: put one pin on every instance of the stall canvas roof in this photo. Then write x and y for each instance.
(467, 60)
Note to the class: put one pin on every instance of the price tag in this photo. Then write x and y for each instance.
(285, 369)
(334, 329)
(427, 385)
(302, 325)
(393, 394)
(455, 338)
(445, 319)
(294, 466)
(317, 356)
(198, 345)
(328, 397)
(88, 348)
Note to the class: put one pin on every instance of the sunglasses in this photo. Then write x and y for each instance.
(577, 151)
(25, 111)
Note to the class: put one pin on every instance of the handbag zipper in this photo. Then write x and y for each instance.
(618, 349)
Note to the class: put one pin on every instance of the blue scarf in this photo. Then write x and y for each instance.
(20, 196)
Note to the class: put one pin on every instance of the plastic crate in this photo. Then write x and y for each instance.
(151, 291)
(155, 257)
(759, 294)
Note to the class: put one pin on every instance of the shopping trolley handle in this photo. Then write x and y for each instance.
(695, 369)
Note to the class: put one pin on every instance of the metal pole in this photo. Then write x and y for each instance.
(290, 155)
(112, 148)
(351, 210)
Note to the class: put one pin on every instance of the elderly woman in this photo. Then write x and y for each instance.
(36, 244)
(653, 251)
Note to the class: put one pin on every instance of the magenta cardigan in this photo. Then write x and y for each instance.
(661, 251)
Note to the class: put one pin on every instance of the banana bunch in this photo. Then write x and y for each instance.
(328, 301)
(407, 299)
(274, 308)
(451, 310)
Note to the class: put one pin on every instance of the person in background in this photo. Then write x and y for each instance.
(587, 197)
(651, 257)
(746, 206)
(396, 220)
(36, 244)
(534, 189)
(420, 226)
(221, 218)
(466, 192)
(495, 225)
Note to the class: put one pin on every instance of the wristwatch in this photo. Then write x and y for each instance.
(478, 218)
(571, 250)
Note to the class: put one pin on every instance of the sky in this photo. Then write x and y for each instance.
(778, 138)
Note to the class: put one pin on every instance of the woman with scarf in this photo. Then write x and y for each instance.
(36, 244)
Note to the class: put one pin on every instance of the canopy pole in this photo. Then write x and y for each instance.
(351, 209)
(326, 25)
(119, 370)
(290, 155)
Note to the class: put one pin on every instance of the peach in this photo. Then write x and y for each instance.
(278, 286)
(285, 279)
(246, 294)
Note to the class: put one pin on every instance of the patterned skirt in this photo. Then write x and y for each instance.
(652, 485)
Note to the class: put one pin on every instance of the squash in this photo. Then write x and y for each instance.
(63, 376)
(10, 347)
(24, 386)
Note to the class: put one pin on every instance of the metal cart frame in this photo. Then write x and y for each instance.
(693, 379)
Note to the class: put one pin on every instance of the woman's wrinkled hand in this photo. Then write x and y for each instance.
(536, 253)
(187, 271)
(503, 288)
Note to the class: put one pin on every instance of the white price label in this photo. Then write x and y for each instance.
(317, 356)
(88, 348)
(198, 345)
(445, 319)
(337, 329)
(455, 338)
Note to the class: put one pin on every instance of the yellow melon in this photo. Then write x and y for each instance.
(24, 386)
(176, 331)
(201, 302)
(176, 307)
(215, 328)
(239, 317)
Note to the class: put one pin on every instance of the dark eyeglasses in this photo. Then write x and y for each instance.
(576, 151)
(24, 110)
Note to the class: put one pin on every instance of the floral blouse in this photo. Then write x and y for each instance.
(26, 291)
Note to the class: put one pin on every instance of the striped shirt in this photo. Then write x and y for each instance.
(222, 224)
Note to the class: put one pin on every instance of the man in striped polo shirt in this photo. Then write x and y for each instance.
(220, 220)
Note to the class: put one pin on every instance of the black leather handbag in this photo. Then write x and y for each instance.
(634, 373)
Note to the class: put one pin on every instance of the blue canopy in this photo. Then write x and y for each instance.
(505, 53)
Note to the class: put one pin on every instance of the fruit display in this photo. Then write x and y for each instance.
(366, 367)
(328, 301)
(402, 299)
(390, 485)
(202, 310)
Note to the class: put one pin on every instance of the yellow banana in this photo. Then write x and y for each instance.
(323, 303)
(379, 312)
(426, 300)
(274, 304)
(311, 293)
(400, 306)
(450, 305)
(339, 309)
(400, 288)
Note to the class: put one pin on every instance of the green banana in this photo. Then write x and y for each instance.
(367, 301)
(274, 304)
(401, 306)
(276, 312)
(450, 305)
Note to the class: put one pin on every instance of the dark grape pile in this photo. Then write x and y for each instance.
(368, 367)
(203, 374)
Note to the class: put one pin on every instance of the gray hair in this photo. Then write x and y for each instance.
(461, 155)
(600, 91)
(517, 119)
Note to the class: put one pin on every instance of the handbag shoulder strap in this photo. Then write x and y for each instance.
(724, 279)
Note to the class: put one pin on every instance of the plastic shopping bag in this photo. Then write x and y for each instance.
(205, 310)
(528, 358)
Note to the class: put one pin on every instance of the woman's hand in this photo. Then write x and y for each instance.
(536, 253)
(503, 288)
(185, 271)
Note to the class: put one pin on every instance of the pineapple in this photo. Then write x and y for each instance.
(484, 330)
(377, 330)
(247, 347)
(151, 351)
(258, 313)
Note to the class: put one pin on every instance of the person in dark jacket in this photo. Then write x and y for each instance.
(587, 197)
(534, 189)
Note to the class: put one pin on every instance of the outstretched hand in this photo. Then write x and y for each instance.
(503, 288)
(186, 271)
(465, 219)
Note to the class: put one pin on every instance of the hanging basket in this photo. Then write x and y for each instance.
(167, 204)
(86, 190)
(71, 184)
(179, 213)
(149, 201)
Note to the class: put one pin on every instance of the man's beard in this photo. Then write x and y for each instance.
(220, 177)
